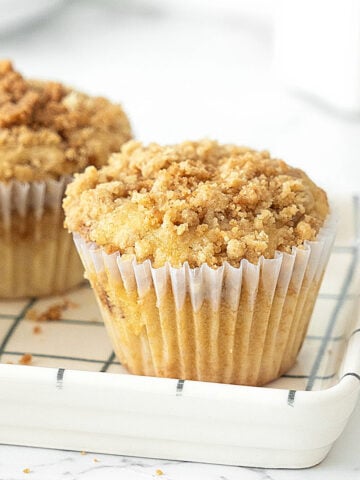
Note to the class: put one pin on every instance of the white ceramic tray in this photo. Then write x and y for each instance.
(86, 401)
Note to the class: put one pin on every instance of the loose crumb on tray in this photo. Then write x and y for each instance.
(159, 472)
(53, 312)
(26, 470)
(37, 329)
(26, 359)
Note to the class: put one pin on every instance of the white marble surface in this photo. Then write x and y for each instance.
(186, 70)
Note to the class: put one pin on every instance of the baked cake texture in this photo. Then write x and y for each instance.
(47, 133)
(205, 259)
(48, 130)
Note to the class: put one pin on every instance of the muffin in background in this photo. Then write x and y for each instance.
(47, 133)
(205, 259)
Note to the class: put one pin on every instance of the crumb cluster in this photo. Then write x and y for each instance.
(26, 359)
(199, 202)
(48, 130)
(53, 312)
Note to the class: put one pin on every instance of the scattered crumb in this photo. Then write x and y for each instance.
(32, 314)
(26, 359)
(96, 460)
(53, 312)
(71, 304)
(159, 472)
(83, 452)
(26, 470)
(37, 329)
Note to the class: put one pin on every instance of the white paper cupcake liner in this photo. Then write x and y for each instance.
(21, 197)
(37, 254)
(264, 310)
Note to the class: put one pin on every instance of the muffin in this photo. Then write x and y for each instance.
(205, 259)
(47, 133)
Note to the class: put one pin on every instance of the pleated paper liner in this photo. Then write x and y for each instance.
(37, 254)
(240, 325)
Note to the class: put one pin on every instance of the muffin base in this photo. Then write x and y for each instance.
(38, 257)
(249, 346)
(241, 325)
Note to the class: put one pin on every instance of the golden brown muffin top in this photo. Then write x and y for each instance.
(48, 130)
(196, 202)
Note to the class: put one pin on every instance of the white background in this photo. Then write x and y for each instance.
(186, 70)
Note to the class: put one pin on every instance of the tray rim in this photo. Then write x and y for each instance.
(62, 416)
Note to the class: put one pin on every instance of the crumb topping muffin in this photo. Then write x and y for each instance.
(48, 130)
(196, 202)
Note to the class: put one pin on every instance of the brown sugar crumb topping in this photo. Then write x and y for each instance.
(48, 130)
(199, 202)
